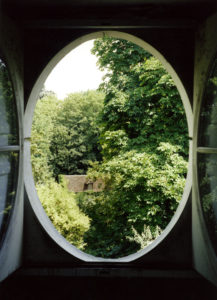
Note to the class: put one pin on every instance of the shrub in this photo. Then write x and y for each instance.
(62, 209)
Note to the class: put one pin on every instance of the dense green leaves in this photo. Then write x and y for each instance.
(61, 207)
(144, 147)
(141, 188)
(74, 140)
(64, 134)
(141, 98)
(45, 114)
(63, 140)
(132, 135)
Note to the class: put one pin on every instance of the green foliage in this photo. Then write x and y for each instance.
(61, 207)
(141, 98)
(45, 113)
(141, 188)
(64, 134)
(146, 237)
(144, 145)
(74, 140)
(141, 158)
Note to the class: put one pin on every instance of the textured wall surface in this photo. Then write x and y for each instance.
(80, 183)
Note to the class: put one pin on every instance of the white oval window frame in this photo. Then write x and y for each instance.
(28, 176)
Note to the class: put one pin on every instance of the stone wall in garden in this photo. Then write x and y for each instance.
(80, 183)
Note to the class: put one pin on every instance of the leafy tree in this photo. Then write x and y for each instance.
(146, 237)
(45, 114)
(74, 140)
(141, 189)
(144, 146)
(141, 158)
(141, 98)
(59, 204)
(64, 134)
(61, 207)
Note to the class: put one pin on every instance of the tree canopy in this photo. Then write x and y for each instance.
(143, 134)
(65, 134)
(63, 140)
(74, 141)
(45, 113)
(141, 103)
(132, 134)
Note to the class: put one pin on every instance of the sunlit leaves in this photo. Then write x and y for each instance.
(135, 134)
(61, 207)
(74, 140)
(45, 113)
(65, 134)
(144, 147)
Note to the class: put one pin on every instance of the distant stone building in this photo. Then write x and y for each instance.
(80, 183)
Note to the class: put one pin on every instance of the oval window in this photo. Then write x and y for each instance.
(207, 155)
(9, 149)
(110, 164)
